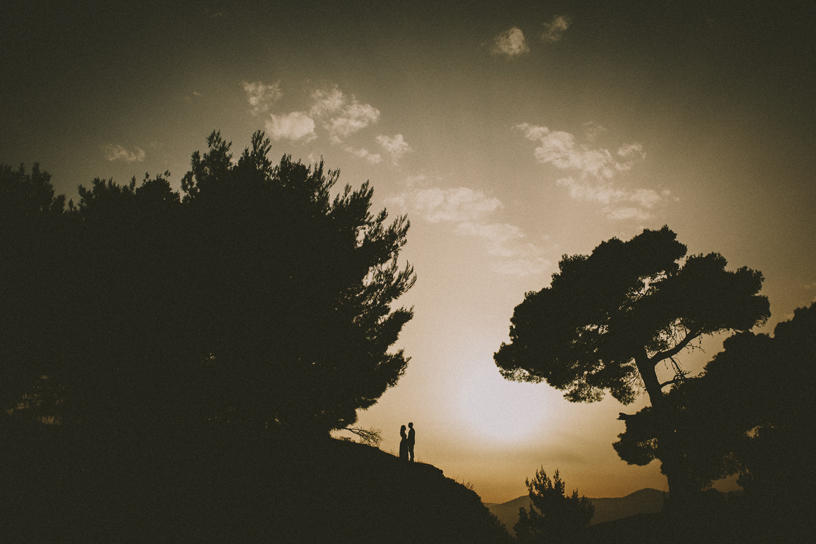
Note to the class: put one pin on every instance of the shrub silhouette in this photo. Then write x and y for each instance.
(553, 516)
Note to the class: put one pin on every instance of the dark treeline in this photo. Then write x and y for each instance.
(251, 299)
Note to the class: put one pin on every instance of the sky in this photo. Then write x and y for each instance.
(511, 133)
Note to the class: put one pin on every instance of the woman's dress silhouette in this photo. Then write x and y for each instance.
(403, 454)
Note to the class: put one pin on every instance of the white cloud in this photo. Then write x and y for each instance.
(261, 96)
(362, 153)
(326, 101)
(618, 201)
(592, 131)
(555, 28)
(517, 257)
(562, 151)
(646, 198)
(415, 181)
(626, 213)
(354, 117)
(343, 115)
(396, 147)
(296, 125)
(454, 204)
(499, 236)
(582, 190)
(631, 150)
(595, 168)
(510, 43)
(118, 153)
(469, 210)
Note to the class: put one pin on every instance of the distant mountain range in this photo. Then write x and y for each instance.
(645, 501)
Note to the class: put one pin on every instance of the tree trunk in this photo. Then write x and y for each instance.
(682, 488)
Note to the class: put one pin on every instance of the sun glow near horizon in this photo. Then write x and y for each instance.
(498, 410)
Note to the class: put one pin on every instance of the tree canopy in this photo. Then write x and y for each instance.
(256, 296)
(750, 411)
(609, 318)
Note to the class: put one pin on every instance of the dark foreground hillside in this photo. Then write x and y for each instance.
(228, 489)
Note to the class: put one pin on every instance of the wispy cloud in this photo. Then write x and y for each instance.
(261, 96)
(592, 131)
(510, 43)
(295, 126)
(517, 256)
(606, 193)
(469, 211)
(115, 152)
(555, 28)
(326, 101)
(362, 153)
(594, 169)
(454, 204)
(342, 114)
(395, 146)
(191, 97)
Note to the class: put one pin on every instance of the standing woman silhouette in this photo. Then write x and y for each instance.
(403, 454)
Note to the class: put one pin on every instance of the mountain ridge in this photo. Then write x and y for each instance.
(642, 501)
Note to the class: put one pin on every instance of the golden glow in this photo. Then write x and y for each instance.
(501, 411)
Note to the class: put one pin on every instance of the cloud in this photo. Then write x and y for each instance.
(396, 147)
(261, 96)
(630, 150)
(294, 126)
(555, 28)
(342, 115)
(592, 131)
(595, 168)
(362, 153)
(470, 210)
(326, 101)
(354, 117)
(517, 256)
(563, 151)
(626, 214)
(189, 98)
(119, 153)
(454, 204)
(510, 43)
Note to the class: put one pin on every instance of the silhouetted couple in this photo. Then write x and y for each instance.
(407, 443)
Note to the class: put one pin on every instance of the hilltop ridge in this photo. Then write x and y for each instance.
(232, 489)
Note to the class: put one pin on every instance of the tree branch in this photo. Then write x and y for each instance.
(661, 355)
(670, 382)
(372, 437)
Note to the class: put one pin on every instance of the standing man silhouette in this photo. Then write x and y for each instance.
(411, 441)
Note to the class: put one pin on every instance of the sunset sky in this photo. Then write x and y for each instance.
(510, 133)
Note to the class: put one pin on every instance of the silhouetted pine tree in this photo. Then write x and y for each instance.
(553, 516)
